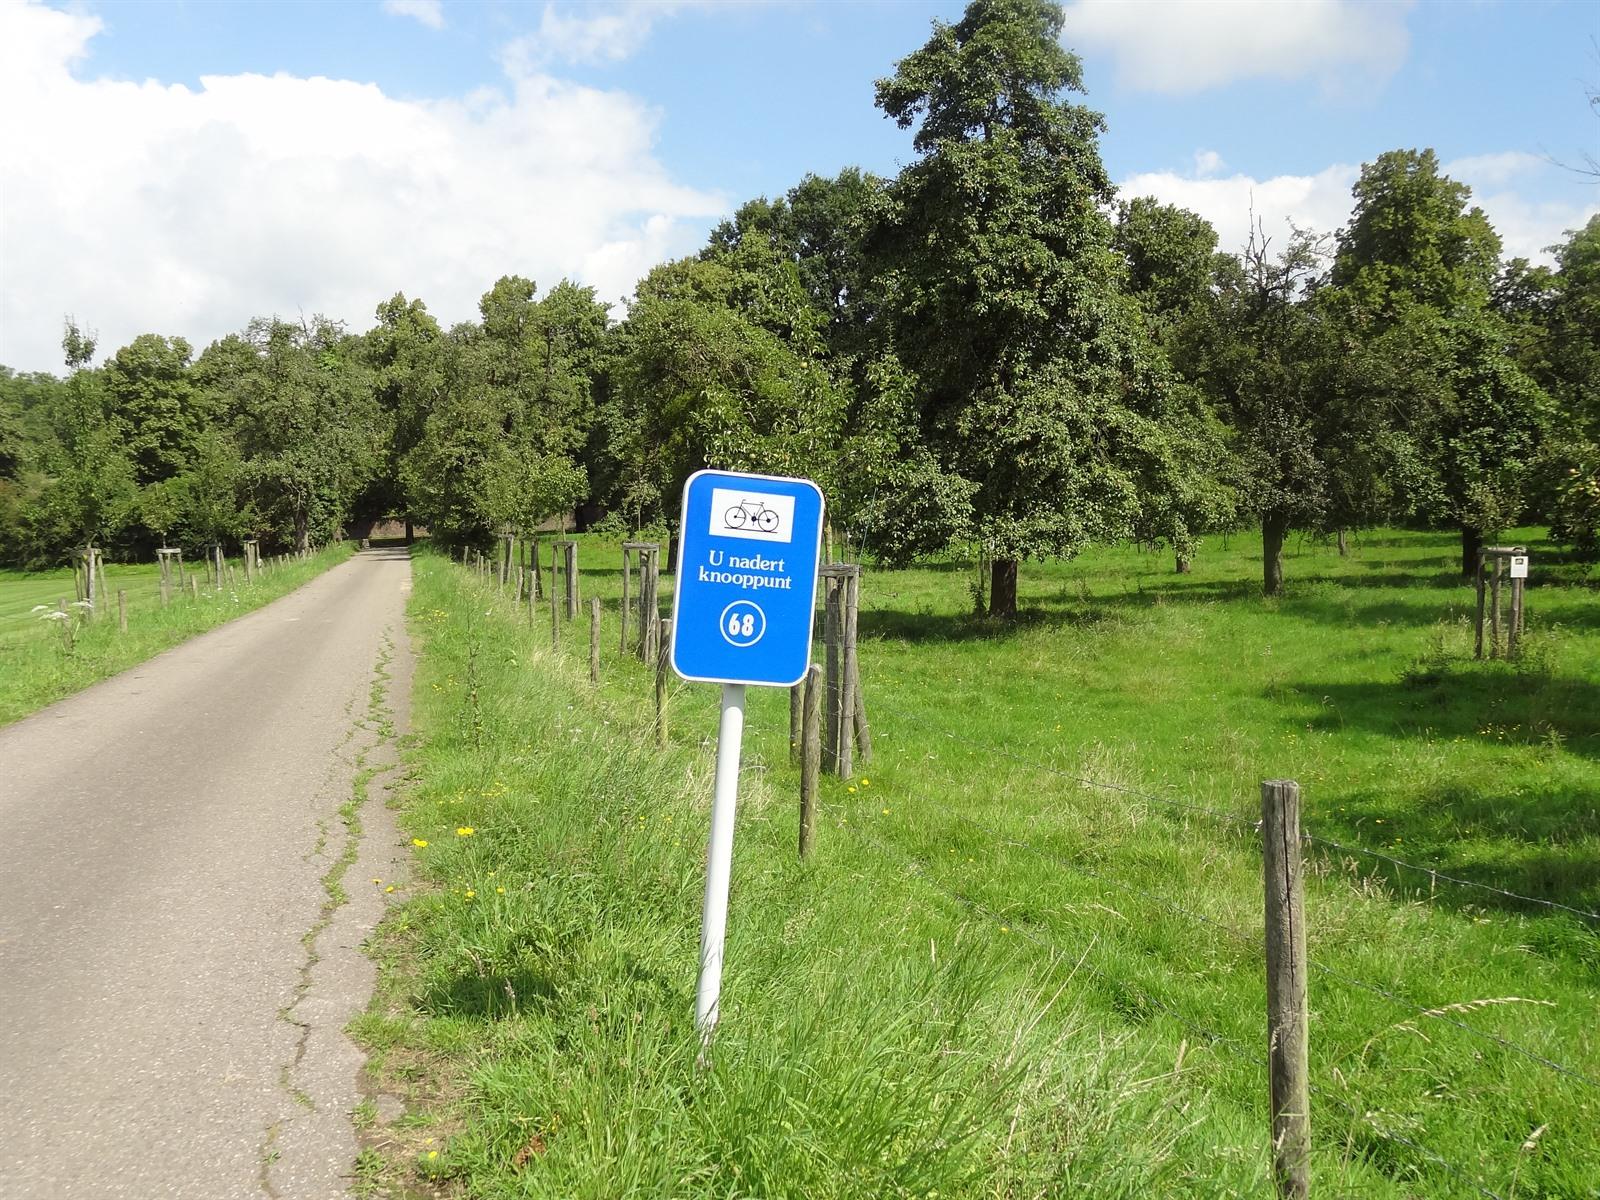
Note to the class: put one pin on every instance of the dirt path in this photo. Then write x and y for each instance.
(174, 977)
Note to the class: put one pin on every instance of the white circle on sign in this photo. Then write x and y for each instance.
(742, 623)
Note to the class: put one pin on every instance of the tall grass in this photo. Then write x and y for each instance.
(37, 667)
(994, 979)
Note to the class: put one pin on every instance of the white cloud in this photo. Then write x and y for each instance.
(1178, 46)
(591, 34)
(145, 207)
(1207, 163)
(1322, 201)
(428, 12)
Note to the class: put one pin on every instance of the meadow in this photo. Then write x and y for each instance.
(36, 666)
(1026, 956)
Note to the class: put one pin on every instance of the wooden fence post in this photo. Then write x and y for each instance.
(796, 703)
(1514, 628)
(555, 608)
(1477, 641)
(122, 610)
(850, 586)
(810, 755)
(571, 568)
(650, 626)
(1494, 609)
(830, 644)
(627, 569)
(663, 640)
(594, 641)
(863, 730)
(194, 585)
(1287, 1029)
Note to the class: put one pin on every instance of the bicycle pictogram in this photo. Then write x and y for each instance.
(752, 514)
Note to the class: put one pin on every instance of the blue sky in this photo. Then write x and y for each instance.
(193, 164)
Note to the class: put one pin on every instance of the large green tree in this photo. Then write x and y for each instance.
(1415, 273)
(1034, 383)
(509, 404)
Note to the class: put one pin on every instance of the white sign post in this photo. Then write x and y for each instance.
(1519, 566)
(741, 615)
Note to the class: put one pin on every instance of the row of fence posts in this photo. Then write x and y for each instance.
(828, 730)
(91, 589)
(1493, 565)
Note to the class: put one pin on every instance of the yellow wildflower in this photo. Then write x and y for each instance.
(465, 831)
(419, 841)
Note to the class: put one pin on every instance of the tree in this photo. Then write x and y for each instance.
(700, 377)
(1416, 269)
(299, 400)
(154, 402)
(91, 490)
(1170, 257)
(510, 415)
(1034, 382)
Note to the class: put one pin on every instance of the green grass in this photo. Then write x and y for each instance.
(37, 669)
(993, 978)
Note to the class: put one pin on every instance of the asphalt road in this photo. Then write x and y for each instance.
(173, 983)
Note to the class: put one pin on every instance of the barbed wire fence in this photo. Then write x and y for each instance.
(1448, 1014)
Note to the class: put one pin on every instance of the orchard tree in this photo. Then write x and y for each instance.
(1034, 383)
(1416, 269)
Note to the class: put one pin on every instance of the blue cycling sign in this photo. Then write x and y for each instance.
(747, 578)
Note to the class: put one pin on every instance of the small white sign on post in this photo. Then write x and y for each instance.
(1519, 566)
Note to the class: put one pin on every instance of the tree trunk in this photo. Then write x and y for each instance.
(1184, 566)
(1344, 543)
(1471, 548)
(1274, 528)
(410, 533)
(1003, 588)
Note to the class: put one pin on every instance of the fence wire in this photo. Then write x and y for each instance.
(1244, 938)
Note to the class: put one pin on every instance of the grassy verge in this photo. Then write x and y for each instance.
(994, 979)
(38, 668)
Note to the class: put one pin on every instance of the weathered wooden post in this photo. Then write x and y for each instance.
(653, 625)
(849, 585)
(104, 591)
(832, 614)
(810, 754)
(649, 602)
(250, 563)
(555, 610)
(663, 639)
(1494, 609)
(1288, 1038)
(122, 611)
(86, 590)
(796, 703)
(571, 569)
(194, 585)
(627, 569)
(1477, 640)
(594, 641)
(1518, 569)
(166, 564)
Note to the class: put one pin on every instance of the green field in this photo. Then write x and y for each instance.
(37, 668)
(1026, 957)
